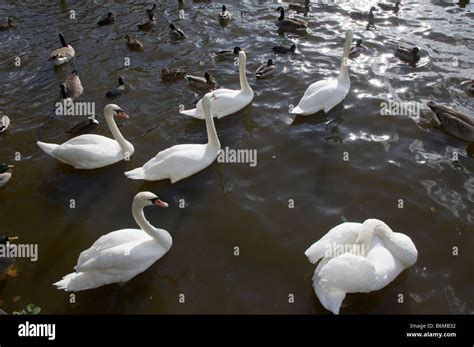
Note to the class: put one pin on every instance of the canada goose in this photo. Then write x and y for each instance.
(147, 25)
(133, 44)
(9, 24)
(207, 81)
(389, 7)
(224, 14)
(408, 55)
(356, 49)
(64, 94)
(109, 18)
(64, 54)
(172, 75)
(285, 50)
(265, 69)
(4, 123)
(73, 85)
(176, 32)
(83, 127)
(151, 10)
(229, 52)
(300, 8)
(290, 24)
(453, 122)
(5, 173)
(113, 93)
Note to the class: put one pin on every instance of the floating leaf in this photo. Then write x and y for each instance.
(30, 307)
(36, 310)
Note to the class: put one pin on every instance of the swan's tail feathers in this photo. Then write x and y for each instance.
(297, 110)
(136, 174)
(315, 252)
(48, 148)
(330, 299)
(78, 281)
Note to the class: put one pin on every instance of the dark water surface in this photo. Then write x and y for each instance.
(234, 205)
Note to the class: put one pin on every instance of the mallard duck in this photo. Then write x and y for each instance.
(151, 10)
(4, 123)
(265, 69)
(408, 55)
(64, 54)
(285, 50)
(290, 24)
(73, 85)
(224, 14)
(390, 7)
(356, 49)
(133, 44)
(113, 93)
(229, 52)
(7, 264)
(84, 127)
(207, 81)
(5, 173)
(109, 18)
(8, 25)
(300, 8)
(172, 75)
(147, 25)
(453, 122)
(176, 32)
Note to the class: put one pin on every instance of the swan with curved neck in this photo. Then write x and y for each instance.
(119, 256)
(325, 94)
(93, 151)
(182, 161)
(358, 258)
(227, 101)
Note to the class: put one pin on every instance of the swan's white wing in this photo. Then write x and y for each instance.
(342, 234)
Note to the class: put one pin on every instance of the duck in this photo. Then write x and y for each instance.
(358, 258)
(453, 122)
(73, 85)
(176, 32)
(4, 123)
(7, 264)
(389, 7)
(109, 18)
(300, 8)
(325, 94)
(151, 10)
(207, 81)
(182, 161)
(172, 74)
(408, 55)
(147, 25)
(290, 24)
(64, 54)
(284, 49)
(356, 49)
(120, 255)
(227, 101)
(265, 69)
(229, 52)
(8, 25)
(5, 173)
(224, 14)
(93, 151)
(113, 93)
(84, 127)
(133, 44)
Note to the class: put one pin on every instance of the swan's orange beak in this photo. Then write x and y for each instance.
(160, 203)
(122, 115)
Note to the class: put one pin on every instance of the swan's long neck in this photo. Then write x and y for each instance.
(344, 70)
(158, 234)
(244, 84)
(126, 147)
(212, 137)
(363, 241)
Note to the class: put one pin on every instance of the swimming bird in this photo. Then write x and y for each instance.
(181, 161)
(109, 18)
(73, 85)
(358, 258)
(470, 87)
(290, 24)
(7, 264)
(119, 256)
(390, 7)
(284, 49)
(4, 123)
(227, 101)
(325, 94)
(151, 10)
(172, 74)
(265, 69)
(83, 127)
(229, 52)
(408, 55)
(224, 14)
(133, 44)
(64, 54)
(5, 173)
(356, 49)
(176, 32)
(453, 122)
(113, 93)
(300, 8)
(8, 25)
(207, 81)
(93, 151)
(147, 25)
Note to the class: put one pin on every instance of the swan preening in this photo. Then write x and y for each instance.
(325, 94)
(376, 256)
(182, 161)
(227, 101)
(119, 256)
(93, 151)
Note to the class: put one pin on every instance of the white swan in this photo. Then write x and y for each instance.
(325, 94)
(227, 101)
(119, 256)
(93, 151)
(374, 257)
(182, 161)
